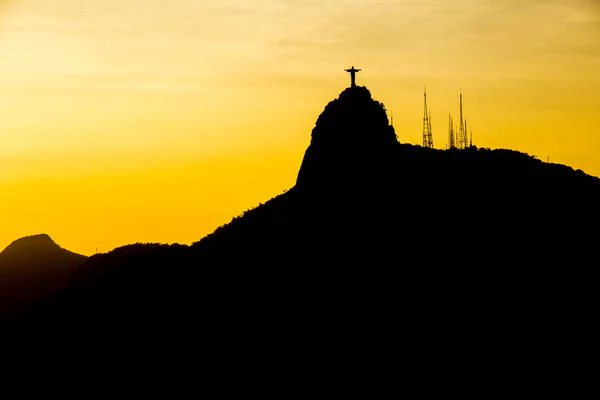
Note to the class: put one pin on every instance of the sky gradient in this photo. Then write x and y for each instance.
(150, 121)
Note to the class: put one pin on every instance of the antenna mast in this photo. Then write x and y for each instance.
(429, 133)
(425, 120)
(462, 142)
(450, 132)
(471, 139)
(427, 136)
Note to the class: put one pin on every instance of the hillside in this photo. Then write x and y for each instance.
(361, 195)
(374, 232)
(34, 268)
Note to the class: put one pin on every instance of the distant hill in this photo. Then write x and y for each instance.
(377, 238)
(33, 268)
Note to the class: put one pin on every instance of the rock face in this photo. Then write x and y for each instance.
(33, 268)
(352, 140)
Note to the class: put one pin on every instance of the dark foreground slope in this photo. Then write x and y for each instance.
(32, 269)
(377, 243)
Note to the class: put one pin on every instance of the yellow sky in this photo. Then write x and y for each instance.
(152, 121)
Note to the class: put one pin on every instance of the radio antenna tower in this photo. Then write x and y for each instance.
(450, 132)
(466, 134)
(429, 133)
(455, 134)
(462, 143)
(425, 120)
(471, 139)
(427, 137)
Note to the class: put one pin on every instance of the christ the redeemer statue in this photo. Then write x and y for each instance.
(353, 72)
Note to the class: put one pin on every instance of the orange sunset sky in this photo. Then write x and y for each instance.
(126, 121)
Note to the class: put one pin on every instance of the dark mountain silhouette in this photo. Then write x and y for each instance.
(33, 268)
(378, 243)
(352, 140)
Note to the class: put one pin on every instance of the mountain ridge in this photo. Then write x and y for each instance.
(41, 238)
(399, 241)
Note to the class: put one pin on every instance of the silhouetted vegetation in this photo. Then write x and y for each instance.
(375, 232)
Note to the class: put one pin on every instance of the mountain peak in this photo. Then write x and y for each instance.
(353, 118)
(352, 127)
(33, 242)
(33, 268)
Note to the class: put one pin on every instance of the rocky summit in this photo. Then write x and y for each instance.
(352, 140)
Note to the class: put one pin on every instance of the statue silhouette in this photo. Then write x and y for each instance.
(353, 72)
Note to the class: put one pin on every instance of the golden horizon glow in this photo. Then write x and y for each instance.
(127, 121)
